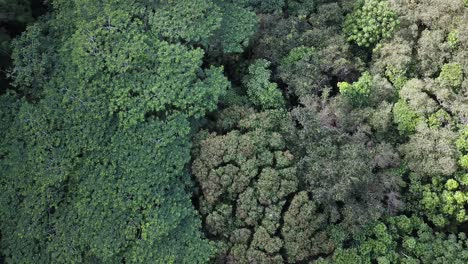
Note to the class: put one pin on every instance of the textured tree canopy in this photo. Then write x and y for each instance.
(393, 241)
(251, 197)
(234, 131)
(93, 169)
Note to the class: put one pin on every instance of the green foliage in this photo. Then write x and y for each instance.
(297, 54)
(358, 92)
(451, 75)
(432, 52)
(246, 177)
(95, 169)
(452, 39)
(320, 28)
(405, 118)
(9, 106)
(112, 198)
(439, 118)
(275, 38)
(462, 146)
(463, 161)
(420, 104)
(143, 77)
(397, 77)
(108, 97)
(370, 22)
(301, 7)
(301, 71)
(430, 110)
(437, 187)
(32, 59)
(394, 241)
(196, 20)
(462, 141)
(233, 97)
(431, 152)
(442, 201)
(238, 26)
(303, 227)
(263, 6)
(394, 59)
(260, 90)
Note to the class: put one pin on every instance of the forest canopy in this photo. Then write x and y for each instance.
(234, 131)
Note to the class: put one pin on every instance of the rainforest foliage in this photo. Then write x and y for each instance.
(234, 131)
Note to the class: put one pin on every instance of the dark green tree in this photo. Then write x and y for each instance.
(260, 90)
(14, 17)
(94, 169)
(264, 6)
(321, 150)
(301, 71)
(238, 25)
(192, 21)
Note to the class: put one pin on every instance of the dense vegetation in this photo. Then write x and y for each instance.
(234, 131)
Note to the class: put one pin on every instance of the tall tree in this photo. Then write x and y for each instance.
(250, 194)
(94, 168)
